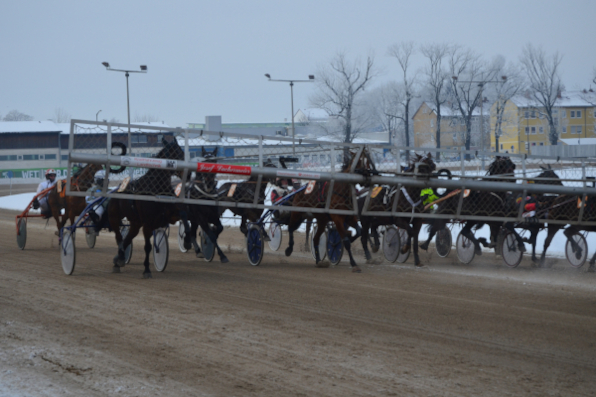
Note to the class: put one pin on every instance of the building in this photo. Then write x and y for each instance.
(453, 127)
(524, 125)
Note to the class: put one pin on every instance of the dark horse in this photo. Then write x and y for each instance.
(408, 201)
(204, 187)
(80, 181)
(150, 215)
(341, 199)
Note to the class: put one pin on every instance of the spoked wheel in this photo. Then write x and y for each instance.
(181, 235)
(207, 246)
(335, 247)
(128, 251)
(403, 237)
(443, 242)
(275, 236)
(160, 249)
(465, 249)
(255, 244)
(577, 259)
(322, 244)
(90, 236)
(391, 244)
(68, 251)
(22, 233)
(511, 253)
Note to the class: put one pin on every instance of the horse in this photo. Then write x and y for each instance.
(150, 215)
(479, 203)
(341, 198)
(80, 181)
(567, 208)
(204, 187)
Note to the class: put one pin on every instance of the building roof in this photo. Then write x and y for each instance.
(449, 111)
(578, 141)
(24, 127)
(568, 99)
(28, 126)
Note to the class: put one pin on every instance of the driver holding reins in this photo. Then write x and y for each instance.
(46, 211)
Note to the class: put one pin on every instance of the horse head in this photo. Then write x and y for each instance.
(547, 173)
(502, 165)
(424, 163)
(362, 164)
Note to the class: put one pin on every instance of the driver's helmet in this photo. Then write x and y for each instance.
(99, 177)
(50, 172)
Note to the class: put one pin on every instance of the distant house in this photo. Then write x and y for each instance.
(453, 127)
(525, 126)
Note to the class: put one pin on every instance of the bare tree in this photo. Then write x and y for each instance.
(513, 83)
(469, 75)
(340, 85)
(384, 106)
(144, 118)
(544, 81)
(15, 115)
(61, 116)
(436, 80)
(403, 52)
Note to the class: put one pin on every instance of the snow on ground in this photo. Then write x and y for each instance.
(18, 202)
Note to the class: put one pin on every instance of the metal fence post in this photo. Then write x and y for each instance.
(104, 188)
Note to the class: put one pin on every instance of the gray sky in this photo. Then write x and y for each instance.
(209, 57)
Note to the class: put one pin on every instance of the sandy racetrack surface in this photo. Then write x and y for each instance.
(286, 328)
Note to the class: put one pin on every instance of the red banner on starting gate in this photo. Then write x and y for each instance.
(224, 169)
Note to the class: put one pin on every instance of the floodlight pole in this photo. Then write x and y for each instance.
(311, 78)
(126, 73)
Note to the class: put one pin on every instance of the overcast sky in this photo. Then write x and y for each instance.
(209, 57)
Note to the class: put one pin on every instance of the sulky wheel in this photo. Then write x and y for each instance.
(181, 235)
(275, 236)
(335, 247)
(207, 246)
(68, 251)
(510, 251)
(22, 233)
(128, 251)
(160, 249)
(443, 242)
(255, 244)
(322, 244)
(391, 244)
(403, 237)
(90, 235)
(465, 249)
(577, 259)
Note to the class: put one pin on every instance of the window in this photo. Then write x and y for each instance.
(50, 157)
(501, 146)
(455, 137)
(64, 157)
(555, 120)
(575, 114)
(527, 114)
(564, 114)
(564, 130)
(533, 114)
(139, 138)
(526, 144)
(527, 130)
(555, 111)
(576, 129)
(31, 157)
(512, 148)
(533, 130)
(594, 113)
(572, 114)
(533, 143)
(541, 130)
(11, 157)
(432, 123)
(541, 143)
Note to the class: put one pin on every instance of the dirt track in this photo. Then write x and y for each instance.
(286, 328)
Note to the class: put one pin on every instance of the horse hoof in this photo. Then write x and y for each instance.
(289, 251)
(423, 247)
(322, 264)
(478, 252)
(356, 269)
(367, 255)
(147, 275)
(187, 246)
(116, 269)
(224, 260)
(592, 269)
(405, 249)
(118, 262)
(200, 255)
(419, 264)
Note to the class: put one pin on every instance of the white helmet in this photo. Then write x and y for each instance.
(99, 177)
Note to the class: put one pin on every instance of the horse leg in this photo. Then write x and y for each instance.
(592, 267)
(295, 222)
(147, 233)
(552, 230)
(416, 230)
(353, 222)
(343, 233)
(435, 226)
(212, 235)
(308, 228)
(467, 232)
(375, 234)
(366, 221)
(533, 236)
(315, 241)
(194, 226)
(119, 260)
(520, 242)
(243, 227)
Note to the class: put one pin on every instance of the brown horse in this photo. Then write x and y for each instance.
(341, 199)
(80, 182)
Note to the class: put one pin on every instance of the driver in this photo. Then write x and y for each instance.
(46, 211)
(280, 190)
(97, 211)
(428, 196)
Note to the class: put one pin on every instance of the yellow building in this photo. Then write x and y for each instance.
(453, 127)
(524, 125)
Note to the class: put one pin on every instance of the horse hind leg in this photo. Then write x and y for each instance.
(213, 237)
(147, 233)
(343, 233)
